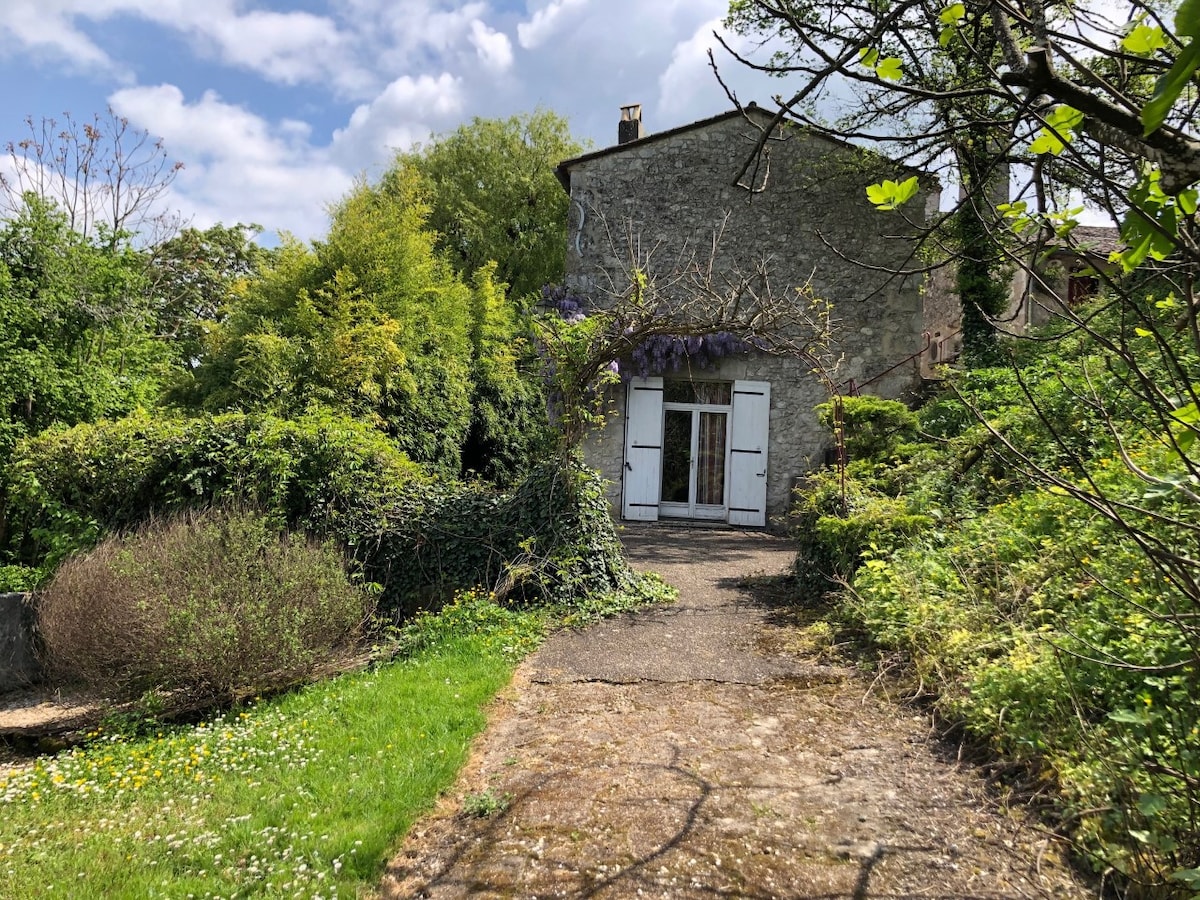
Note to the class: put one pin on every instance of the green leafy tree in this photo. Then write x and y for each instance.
(493, 196)
(371, 321)
(510, 429)
(191, 277)
(75, 344)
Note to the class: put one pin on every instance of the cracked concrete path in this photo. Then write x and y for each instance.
(710, 749)
(711, 633)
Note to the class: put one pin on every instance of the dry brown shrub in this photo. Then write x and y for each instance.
(209, 605)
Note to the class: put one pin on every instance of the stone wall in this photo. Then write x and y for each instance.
(943, 319)
(809, 218)
(18, 663)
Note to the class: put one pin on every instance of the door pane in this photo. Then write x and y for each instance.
(710, 463)
(677, 446)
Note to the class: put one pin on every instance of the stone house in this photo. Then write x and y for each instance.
(1066, 275)
(729, 443)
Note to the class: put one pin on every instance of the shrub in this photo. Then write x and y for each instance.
(874, 429)
(18, 579)
(835, 524)
(1043, 631)
(1057, 631)
(209, 605)
(551, 538)
(422, 539)
(68, 488)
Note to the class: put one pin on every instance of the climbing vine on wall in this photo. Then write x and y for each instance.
(645, 329)
(682, 353)
(657, 353)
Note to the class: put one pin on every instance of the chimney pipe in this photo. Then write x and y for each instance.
(630, 126)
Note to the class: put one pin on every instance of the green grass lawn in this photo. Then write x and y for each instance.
(305, 795)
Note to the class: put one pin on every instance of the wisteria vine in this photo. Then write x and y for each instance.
(658, 353)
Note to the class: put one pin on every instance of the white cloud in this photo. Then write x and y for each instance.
(286, 47)
(44, 29)
(596, 57)
(401, 35)
(406, 112)
(237, 166)
(377, 76)
(289, 48)
(688, 79)
(494, 47)
(545, 22)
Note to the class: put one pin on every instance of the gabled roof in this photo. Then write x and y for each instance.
(563, 170)
(1097, 239)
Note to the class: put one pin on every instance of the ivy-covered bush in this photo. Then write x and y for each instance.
(207, 606)
(549, 538)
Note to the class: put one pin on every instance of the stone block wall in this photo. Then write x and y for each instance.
(18, 663)
(809, 218)
(943, 318)
(672, 198)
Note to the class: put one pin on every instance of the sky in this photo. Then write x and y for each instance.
(274, 107)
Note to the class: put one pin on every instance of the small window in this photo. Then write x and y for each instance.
(707, 393)
(1080, 287)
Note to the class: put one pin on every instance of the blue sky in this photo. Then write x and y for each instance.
(275, 106)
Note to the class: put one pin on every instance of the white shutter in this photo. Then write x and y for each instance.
(748, 453)
(643, 449)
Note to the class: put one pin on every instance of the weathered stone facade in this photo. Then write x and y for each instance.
(808, 216)
(1063, 277)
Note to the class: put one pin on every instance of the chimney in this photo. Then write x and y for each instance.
(630, 126)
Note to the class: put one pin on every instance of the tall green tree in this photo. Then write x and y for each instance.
(75, 337)
(509, 422)
(371, 321)
(191, 277)
(493, 196)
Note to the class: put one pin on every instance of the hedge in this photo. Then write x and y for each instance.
(420, 538)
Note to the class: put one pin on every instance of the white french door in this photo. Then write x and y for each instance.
(694, 459)
(643, 449)
(696, 450)
(748, 453)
